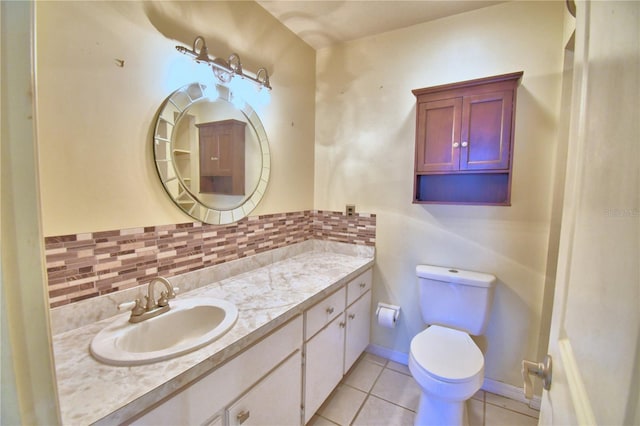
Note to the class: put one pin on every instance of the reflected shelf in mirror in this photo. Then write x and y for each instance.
(180, 141)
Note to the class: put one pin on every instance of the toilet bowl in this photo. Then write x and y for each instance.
(449, 368)
(444, 360)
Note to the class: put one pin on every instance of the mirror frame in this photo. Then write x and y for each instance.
(170, 113)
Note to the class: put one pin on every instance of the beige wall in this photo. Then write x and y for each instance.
(96, 117)
(365, 118)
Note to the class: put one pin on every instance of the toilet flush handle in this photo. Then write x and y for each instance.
(540, 369)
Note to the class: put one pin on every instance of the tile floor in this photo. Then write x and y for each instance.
(378, 391)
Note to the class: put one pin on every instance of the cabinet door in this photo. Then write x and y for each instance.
(275, 400)
(209, 151)
(486, 131)
(438, 135)
(224, 141)
(323, 365)
(358, 328)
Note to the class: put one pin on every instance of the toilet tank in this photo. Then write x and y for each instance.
(455, 298)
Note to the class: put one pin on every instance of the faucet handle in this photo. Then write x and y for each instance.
(165, 296)
(126, 306)
(164, 299)
(135, 307)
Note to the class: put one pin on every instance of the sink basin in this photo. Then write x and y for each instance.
(190, 324)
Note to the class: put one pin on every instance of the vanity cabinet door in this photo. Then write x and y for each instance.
(358, 328)
(275, 400)
(323, 365)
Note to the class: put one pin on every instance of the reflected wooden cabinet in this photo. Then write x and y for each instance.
(464, 141)
(222, 157)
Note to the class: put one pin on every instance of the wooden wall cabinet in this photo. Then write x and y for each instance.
(464, 141)
(222, 157)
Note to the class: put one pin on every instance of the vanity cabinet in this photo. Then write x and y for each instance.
(222, 157)
(270, 367)
(292, 369)
(464, 141)
(337, 331)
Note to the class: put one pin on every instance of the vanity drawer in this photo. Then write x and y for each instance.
(324, 312)
(359, 286)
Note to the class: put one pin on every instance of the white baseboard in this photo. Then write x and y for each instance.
(387, 353)
(511, 392)
(489, 385)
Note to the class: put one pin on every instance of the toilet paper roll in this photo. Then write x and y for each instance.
(387, 317)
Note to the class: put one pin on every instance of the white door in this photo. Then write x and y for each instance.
(595, 330)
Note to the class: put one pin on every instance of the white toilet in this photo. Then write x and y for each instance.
(443, 359)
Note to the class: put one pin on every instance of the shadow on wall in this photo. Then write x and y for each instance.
(228, 27)
(367, 146)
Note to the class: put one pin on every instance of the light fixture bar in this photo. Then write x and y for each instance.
(224, 70)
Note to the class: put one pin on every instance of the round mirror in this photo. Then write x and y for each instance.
(211, 153)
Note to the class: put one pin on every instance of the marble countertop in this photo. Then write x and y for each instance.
(266, 297)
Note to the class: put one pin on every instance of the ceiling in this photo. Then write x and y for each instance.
(321, 23)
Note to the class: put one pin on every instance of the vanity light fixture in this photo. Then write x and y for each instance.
(227, 72)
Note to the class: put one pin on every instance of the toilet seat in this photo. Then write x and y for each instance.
(447, 355)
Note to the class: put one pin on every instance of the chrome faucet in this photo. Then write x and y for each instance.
(152, 308)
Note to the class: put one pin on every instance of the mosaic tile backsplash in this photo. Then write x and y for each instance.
(82, 266)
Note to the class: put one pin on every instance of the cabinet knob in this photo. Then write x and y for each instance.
(363, 285)
(352, 316)
(342, 324)
(465, 144)
(243, 416)
(456, 144)
(330, 310)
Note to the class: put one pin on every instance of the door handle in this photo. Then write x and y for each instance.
(542, 369)
(243, 416)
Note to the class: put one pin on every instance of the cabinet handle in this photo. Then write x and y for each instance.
(330, 310)
(242, 416)
(214, 158)
(342, 324)
(363, 285)
(352, 316)
(456, 144)
(464, 144)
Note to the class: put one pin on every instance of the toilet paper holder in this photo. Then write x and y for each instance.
(395, 308)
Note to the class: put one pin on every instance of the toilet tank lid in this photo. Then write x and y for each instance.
(455, 275)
